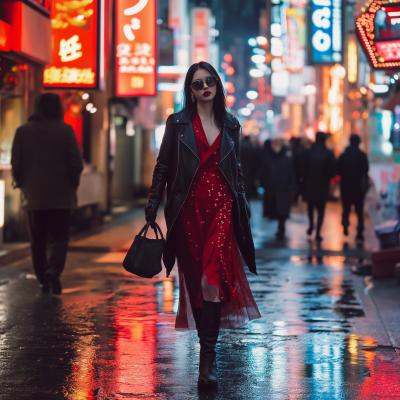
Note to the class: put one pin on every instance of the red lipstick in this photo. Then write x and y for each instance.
(206, 94)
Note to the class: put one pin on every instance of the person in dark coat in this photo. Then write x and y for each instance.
(276, 176)
(353, 170)
(267, 147)
(298, 159)
(46, 166)
(320, 168)
(250, 164)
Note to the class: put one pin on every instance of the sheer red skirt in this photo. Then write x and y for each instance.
(206, 244)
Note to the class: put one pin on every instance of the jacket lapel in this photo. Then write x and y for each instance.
(188, 138)
(226, 143)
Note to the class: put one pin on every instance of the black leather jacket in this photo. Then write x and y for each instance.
(177, 164)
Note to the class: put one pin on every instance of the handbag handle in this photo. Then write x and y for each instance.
(146, 228)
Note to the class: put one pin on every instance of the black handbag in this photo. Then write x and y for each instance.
(144, 256)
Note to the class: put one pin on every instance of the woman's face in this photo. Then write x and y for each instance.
(207, 93)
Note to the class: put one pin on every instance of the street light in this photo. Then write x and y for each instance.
(256, 73)
(256, 50)
(252, 94)
(310, 89)
(261, 40)
(258, 58)
(228, 57)
(252, 42)
(276, 47)
(276, 30)
(244, 111)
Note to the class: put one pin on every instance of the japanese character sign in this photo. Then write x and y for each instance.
(75, 51)
(135, 48)
(69, 49)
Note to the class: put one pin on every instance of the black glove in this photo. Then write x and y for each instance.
(151, 217)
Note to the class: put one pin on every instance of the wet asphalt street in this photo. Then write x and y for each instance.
(111, 335)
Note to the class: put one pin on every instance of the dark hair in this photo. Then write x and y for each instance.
(320, 137)
(47, 107)
(355, 139)
(219, 105)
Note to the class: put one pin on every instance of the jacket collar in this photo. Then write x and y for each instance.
(229, 120)
(188, 137)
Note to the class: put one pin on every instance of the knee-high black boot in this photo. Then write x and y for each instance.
(197, 313)
(210, 322)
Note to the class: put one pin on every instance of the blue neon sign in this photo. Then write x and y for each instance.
(326, 31)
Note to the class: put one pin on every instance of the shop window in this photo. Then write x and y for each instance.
(12, 108)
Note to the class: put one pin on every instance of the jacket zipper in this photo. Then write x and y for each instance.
(173, 223)
(234, 191)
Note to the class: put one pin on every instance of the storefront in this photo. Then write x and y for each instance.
(375, 96)
(24, 51)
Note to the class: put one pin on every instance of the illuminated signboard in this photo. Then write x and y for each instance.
(5, 36)
(75, 45)
(200, 34)
(296, 39)
(379, 32)
(136, 48)
(326, 31)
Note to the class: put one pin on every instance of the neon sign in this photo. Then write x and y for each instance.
(200, 34)
(326, 31)
(379, 32)
(75, 45)
(136, 48)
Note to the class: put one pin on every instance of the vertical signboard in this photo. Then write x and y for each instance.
(5, 36)
(75, 45)
(135, 47)
(200, 34)
(326, 31)
(296, 39)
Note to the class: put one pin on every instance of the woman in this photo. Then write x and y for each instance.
(207, 215)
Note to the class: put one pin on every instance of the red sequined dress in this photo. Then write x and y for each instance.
(206, 244)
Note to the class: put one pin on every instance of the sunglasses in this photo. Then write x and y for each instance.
(199, 84)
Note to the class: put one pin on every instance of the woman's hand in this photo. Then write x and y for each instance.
(151, 217)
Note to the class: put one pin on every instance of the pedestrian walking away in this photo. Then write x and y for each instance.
(320, 168)
(276, 176)
(46, 166)
(250, 159)
(207, 215)
(298, 159)
(353, 170)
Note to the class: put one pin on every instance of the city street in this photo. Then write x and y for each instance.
(324, 333)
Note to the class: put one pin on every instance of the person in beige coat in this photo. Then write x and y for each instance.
(46, 166)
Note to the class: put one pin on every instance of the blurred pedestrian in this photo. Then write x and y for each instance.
(267, 146)
(299, 160)
(250, 162)
(46, 166)
(353, 170)
(207, 214)
(277, 178)
(320, 168)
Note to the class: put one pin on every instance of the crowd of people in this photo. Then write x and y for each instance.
(304, 169)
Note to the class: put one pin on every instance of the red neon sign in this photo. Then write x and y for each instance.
(136, 48)
(5, 36)
(74, 45)
(378, 29)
